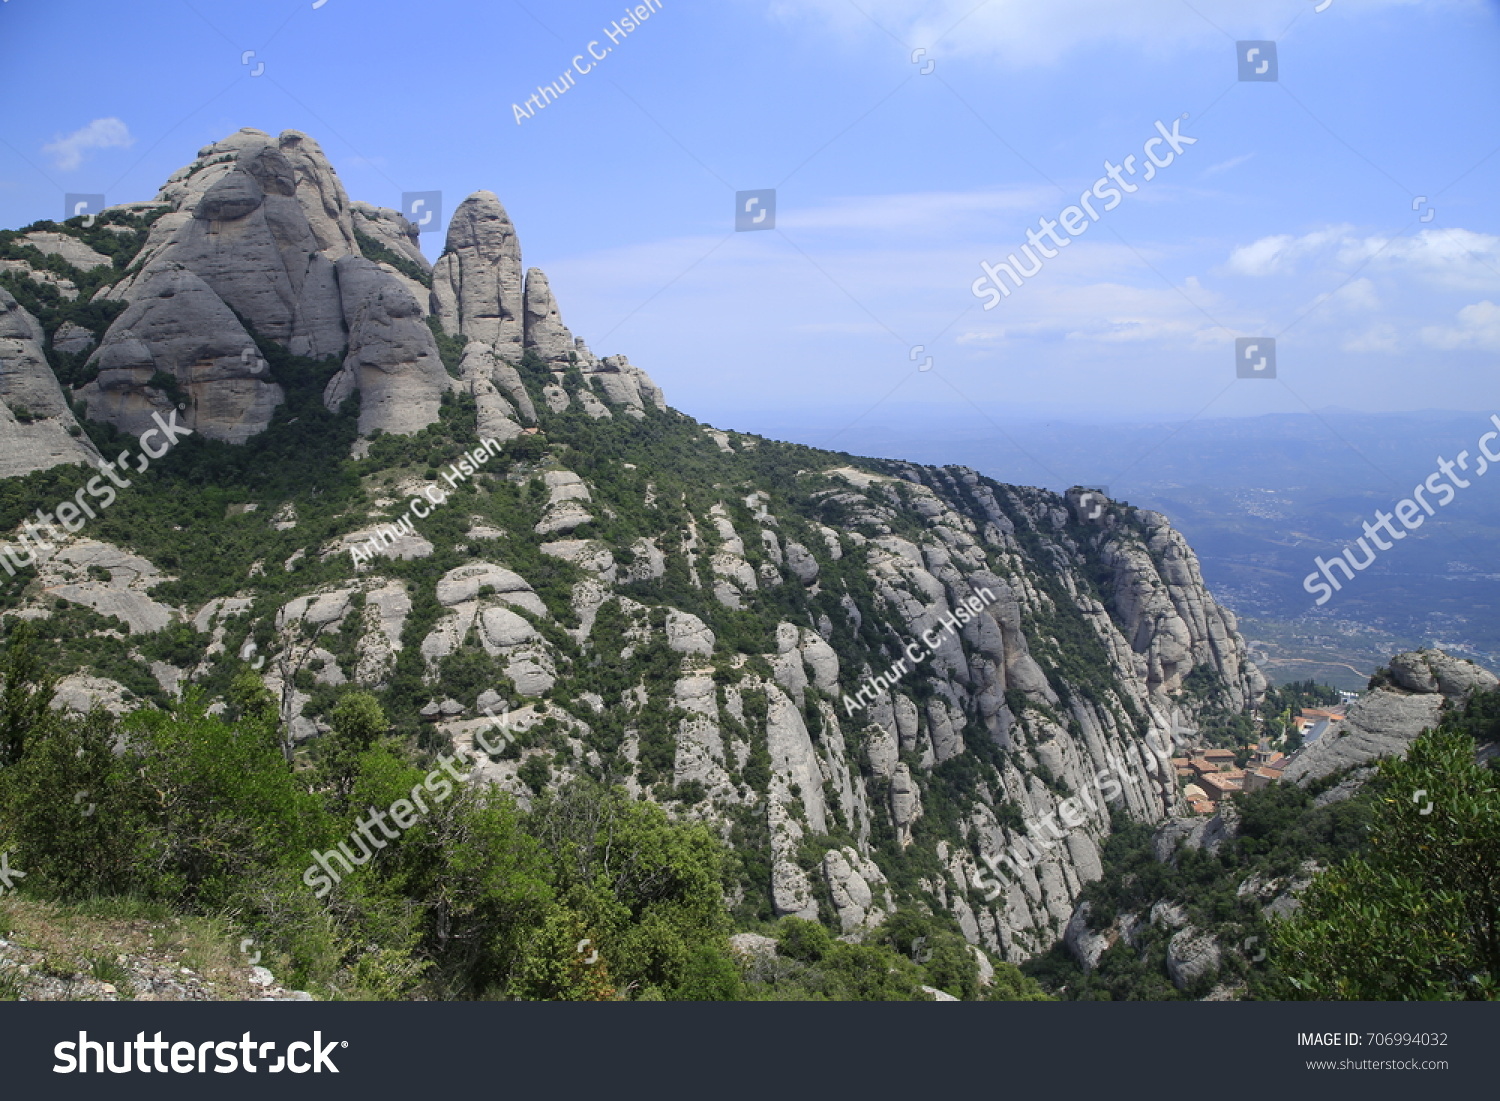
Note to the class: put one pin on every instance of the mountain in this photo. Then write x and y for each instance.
(347, 469)
(1259, 499)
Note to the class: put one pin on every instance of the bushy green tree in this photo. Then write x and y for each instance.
(26, 692)
(358, 723)
(651, 889)
(223, 803)
(562, 963)
(1419, 916)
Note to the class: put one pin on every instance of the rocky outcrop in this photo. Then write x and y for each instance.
(66, 288)
(256, 240)
(477, 288)
(73, 339)
(1384, 721)
(1191, 955)
(110, 581)
(391, 229)
(546, 335)
(1196, 833)
(37, 429)
(262, 220)
(1082, 942)
(393, 361)
(1165, 613)
(66, 248)
(178, 327)
(687, 634)
(260, 228)
(499, 415)
(858, 889)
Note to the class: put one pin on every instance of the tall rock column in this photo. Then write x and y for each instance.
(545, 333)
(477, 285)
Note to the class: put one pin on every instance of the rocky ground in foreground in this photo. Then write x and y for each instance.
(103, 953)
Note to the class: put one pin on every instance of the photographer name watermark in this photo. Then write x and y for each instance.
(387, 535)
(874, 687)
(616, 32)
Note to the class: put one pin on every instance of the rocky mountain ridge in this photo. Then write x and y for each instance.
(623, 593)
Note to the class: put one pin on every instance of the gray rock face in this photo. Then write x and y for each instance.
(81, 693)
(546, 334)
(626, 384)
(262, 221)
(687, 634)
(1168, 618)
(751, 945)
(177, 325)
(1382, 723)
(1191, 954)
(853, 884)
(906, 802)
(391, 229)
(71, 574)
(500, 396)
(477, 287)
(801, 562)
(1435, 671)
(393, 359)
(1203, 834)
(35, 421)
(1081, 941)
(260, 226)
(64, 287)
(72, 339)
(881, 751)
(67, 248)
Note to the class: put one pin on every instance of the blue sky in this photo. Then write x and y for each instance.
(1292, 215)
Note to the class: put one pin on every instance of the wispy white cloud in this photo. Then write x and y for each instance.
(1280, 253)
(922, 212)
(67, 151)
(1458, 259)
(1478, 327)
(1381, 337)
(1225, 166)
(892, 271)
(1039, 33)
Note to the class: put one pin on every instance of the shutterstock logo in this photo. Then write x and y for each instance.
(82, 206)
(1110, 189)
(423, 209)
(1382, 534)
(1258, 61)
(755, 210)
(146, 1056)
(1255, 356)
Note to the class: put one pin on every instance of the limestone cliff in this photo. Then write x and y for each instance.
(37, 429)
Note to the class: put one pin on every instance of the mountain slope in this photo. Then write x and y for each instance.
(871, 677)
